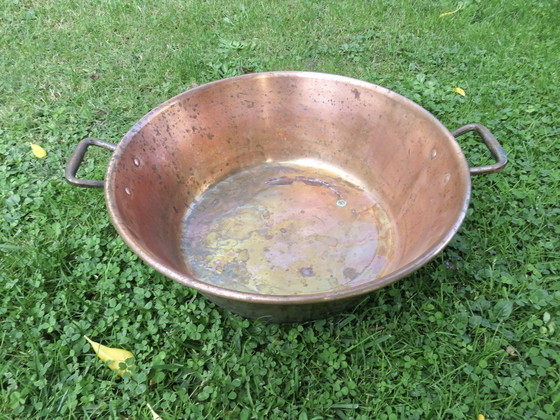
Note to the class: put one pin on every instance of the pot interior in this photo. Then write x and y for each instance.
(286, 184)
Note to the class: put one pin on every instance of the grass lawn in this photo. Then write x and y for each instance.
(475, 331)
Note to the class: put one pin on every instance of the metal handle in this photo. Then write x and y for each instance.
(78, 156)
(493, 145)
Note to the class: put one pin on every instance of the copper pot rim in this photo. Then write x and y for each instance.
(210, 289)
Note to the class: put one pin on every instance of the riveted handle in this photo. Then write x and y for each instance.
(493, 145)
(78, 156)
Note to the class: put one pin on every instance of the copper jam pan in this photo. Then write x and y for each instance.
(287, 196)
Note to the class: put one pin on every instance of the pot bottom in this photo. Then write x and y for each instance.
(288, 228)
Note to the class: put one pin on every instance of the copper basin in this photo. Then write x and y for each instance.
(287, 195)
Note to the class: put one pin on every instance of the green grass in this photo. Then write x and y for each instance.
(474, 331)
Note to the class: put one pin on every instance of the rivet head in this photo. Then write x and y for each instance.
(433, 154)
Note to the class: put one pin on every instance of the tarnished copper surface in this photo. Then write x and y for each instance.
(287, 195)
(286, 230)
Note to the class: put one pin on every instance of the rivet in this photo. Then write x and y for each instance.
(433, 154)
(341, 203)
(136, 162)
(128, 191)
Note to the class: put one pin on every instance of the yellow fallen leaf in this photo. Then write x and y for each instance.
(106, 354)
(480, 417)
(156, 415)
(459, 91)
(449, 13)
(38, 151)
